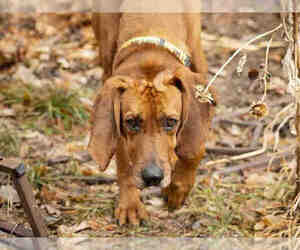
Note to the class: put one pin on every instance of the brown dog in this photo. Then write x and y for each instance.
(147, 113)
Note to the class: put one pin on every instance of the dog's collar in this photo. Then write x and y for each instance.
(180, 54)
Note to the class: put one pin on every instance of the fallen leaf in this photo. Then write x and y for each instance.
(259, 226)
(64, 231)
(48, 195)
(259, 110)
(7, 112)
(9, 194)
(256, 179)
(52, 210)
(82, 226)
(94, 225)
(110, 227)
(275, 222)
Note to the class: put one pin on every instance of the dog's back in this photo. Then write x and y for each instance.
(171, 27)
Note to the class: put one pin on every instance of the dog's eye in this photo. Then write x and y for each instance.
(169, 124)
(133, 124)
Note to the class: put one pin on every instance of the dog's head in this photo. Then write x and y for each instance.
(150, 124)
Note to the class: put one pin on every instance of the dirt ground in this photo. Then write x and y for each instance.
(38, 125)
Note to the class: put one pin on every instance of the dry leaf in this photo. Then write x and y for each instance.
(47, 195)
(241, 64)
(82, 226)
(204, 96)
(95, 226)
(259, 226)
(52, 210)
(9, 194)
(7, 112)
(253, 74)
(275, 222)
(264, 179)
(259, 110)
(110, 227)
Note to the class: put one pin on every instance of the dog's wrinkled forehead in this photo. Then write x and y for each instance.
(145, 95)
(153, 89)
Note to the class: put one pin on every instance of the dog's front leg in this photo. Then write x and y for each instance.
(130, 207)
(182, 182)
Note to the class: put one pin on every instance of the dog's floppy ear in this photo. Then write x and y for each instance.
(106, 120)
(196, 116)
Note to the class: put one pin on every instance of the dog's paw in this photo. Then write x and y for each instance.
(132, 211)
(175, 195)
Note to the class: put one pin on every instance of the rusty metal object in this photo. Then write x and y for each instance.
(17, 171)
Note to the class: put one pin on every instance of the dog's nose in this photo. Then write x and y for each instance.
(152, 175)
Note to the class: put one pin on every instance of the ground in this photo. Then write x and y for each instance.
(48, 77)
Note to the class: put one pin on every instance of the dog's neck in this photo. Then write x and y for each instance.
(146, 56)
(148, 64)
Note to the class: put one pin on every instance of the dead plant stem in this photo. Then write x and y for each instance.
(297, 118)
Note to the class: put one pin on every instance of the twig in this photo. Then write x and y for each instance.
(229, 151)
(238, 157)
(266, 70)
(15, 229)
(82, 158)
(238, 51)
(259, 151)
(89, 179)
(296, 49)
(285, 110)
(58, 160)
(255, 164)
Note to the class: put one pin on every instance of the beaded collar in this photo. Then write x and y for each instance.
(180, 54)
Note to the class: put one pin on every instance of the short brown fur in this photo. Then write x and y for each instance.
(149, 84)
